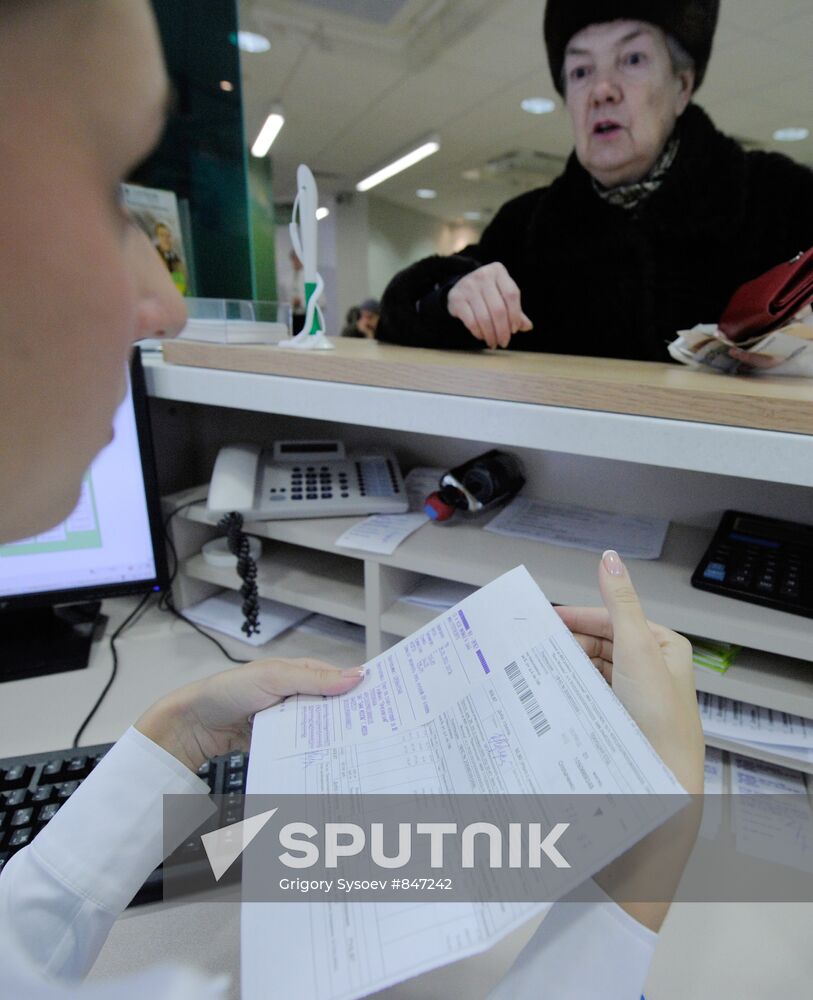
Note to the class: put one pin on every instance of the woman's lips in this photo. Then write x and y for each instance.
(605, 128)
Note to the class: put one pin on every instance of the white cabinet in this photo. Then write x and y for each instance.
(647, 464)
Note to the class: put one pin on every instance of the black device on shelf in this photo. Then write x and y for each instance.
(34, 787)
(762, 560)
(111, 545)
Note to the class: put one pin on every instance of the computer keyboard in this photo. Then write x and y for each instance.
(35, 786)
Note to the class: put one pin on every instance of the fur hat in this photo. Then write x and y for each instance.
(692, 22)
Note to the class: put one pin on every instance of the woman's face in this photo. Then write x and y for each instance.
(83, 93)
(624, 98)
(367, 323)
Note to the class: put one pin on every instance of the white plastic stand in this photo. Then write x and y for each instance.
(304, 239)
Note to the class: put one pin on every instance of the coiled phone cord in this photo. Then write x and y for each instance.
(238, 544)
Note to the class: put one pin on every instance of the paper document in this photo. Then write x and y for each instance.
(432, 592)
(777, 830)
(713, 777)
(738, 720)
(581, 528)
(383, 533)
(223, 613)
(333, 628)
(495, 695)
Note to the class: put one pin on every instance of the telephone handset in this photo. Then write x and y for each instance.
(297, 479)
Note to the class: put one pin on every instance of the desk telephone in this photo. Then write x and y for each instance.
(298, 479)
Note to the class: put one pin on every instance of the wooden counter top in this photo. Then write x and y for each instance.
(632, 387)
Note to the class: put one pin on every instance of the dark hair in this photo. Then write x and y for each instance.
(681, 60)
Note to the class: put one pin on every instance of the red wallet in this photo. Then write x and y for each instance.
(770, 300)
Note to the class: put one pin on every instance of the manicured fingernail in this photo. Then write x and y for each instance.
(353, 672)
(612, 563)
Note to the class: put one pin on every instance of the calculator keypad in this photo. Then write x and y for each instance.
(770, 570)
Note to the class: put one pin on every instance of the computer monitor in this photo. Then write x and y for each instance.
(111, 545)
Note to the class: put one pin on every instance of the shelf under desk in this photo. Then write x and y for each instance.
(468, 554)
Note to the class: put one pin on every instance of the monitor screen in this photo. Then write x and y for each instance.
(110, 544)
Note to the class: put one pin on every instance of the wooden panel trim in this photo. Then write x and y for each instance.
(605, 384)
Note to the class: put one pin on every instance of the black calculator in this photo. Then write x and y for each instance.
(762, 560)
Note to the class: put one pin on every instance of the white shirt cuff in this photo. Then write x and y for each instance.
(108, 836)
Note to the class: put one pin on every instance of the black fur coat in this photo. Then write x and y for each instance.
(600, 280)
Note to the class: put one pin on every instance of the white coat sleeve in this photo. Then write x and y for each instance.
(60, 895)
(581, 951)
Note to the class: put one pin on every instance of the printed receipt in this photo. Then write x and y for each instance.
(493, 696)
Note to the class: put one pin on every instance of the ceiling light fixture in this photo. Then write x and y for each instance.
(426, 148)
(322, 213)
(269, 132)
(250, 41)
(473, 216)
(791, 134)
(426, 193)
(538, 105)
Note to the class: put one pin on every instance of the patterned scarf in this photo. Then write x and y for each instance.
(629, 196)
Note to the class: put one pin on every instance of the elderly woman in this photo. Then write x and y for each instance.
(657, 219)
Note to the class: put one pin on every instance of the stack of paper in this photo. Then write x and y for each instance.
(717, 656)
(762, 728)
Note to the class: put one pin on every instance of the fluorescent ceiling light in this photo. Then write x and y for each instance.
(402, 163)
(250, 41)
(538, 105)
(426, 193)
(473, 216)
(322, 213)
(791, 134)
(268, 133)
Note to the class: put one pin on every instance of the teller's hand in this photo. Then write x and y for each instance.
(214, 716)
(650, 669)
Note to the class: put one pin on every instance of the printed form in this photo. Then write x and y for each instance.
(493, 696)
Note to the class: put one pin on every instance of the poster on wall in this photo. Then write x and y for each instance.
(156, 211)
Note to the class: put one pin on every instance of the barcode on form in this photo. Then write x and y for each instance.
(528, 699)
